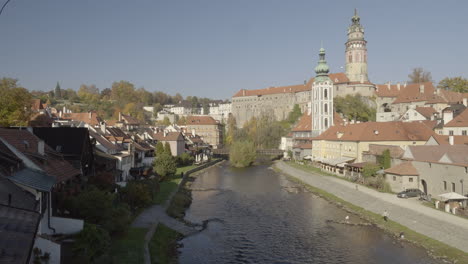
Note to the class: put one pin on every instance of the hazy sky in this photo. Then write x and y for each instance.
(213, 48)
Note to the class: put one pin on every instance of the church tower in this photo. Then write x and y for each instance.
(322, 97)
(356, 51)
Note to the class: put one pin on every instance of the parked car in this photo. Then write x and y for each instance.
(410, 193)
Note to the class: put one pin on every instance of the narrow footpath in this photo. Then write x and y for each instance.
(449, 229)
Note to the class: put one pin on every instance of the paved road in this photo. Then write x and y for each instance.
(447, 228)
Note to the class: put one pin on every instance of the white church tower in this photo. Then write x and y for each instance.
(322, 97)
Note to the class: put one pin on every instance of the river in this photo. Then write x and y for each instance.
(259, 216)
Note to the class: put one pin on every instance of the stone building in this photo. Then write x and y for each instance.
(279, 101)
(207, 128)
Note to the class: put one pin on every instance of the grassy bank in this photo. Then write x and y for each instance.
(169, 185)
(129, 247)
(163, 245)
(435, 248)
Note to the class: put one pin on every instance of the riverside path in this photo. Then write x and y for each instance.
(449, 229)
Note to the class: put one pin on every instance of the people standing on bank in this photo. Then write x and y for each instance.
(385, 215)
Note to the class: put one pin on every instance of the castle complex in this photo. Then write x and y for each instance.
(279, 101)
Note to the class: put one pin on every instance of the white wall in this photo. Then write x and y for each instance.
(47, 246)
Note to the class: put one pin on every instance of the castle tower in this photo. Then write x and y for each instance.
(322, 97)
(356, 51)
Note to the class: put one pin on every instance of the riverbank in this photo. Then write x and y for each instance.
(420, 225)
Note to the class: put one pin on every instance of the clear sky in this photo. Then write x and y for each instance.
(213, 48)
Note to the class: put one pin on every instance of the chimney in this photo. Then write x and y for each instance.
(404, 85)
(90, 115)
(398, 86)
(60, 114)
(438, 91)
(243, 92)
(165, 133)
(103, 128)
(465, 102)
(388, 85)
(421, 88)
(193, 132)
(40, 147)
(451, 140)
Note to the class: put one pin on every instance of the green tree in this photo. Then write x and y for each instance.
(91, 243)
(166, 121)
(294, 115)
(353, 107)
(456, 84)
(167, 148)
(136, 195)
(165, 165)
(370, 170)
(123, 92)
(185, 159)
(242, 154)
(93, 205)
(159, 148)
(58, 91)
(15, 103)
(418, 75)
(385, 159)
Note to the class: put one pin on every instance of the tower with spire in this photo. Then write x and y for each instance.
(356, 51)
(322, 97)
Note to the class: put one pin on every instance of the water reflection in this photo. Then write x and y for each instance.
(268, 219)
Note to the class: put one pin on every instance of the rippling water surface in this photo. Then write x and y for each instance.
(258, 216)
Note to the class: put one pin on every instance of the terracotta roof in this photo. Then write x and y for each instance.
(335, 77)
(395, 151)
(460, 120)
(27, 143)
(388, 90)
(405, 168)
(379, 131)
(170, 136)
(130, 120)
(448, 97)
(457, 153)
(427, 112)
(90, 118)
(201, 120)
(36, 105)
(113, 122)
(412, 93)
(457, 140)
(304, 146)
(305, 122)
(103, 141)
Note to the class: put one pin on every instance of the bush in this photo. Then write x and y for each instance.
(165, 165)
(136, 195)
(92, 205)
(242, 154)
(185, 159)
(119, 220)
(370, 170)
(91, 242)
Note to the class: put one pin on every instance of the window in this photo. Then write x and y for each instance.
(445, 185)
(325, 108)
(394, 178)
(430, 165)
(451, 132)
(325, 93)
(326, 122)
(453, 187)
(464, 132)
(410, 179)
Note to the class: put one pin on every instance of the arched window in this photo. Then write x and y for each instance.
(325, 108)
(325, 94)
(326, 123)
(350, 58)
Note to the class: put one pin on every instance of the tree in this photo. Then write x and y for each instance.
(353, 107)
(136, 195)
(242, 154)
(91, 243)
(123, 92)
(167, 148)
(385, 159)
(419, 75)
(456, 84)
(185, 159)
(166, 121)
(370, 170)
(15, 103)
(58, 91)
(159, 148)
(93, 205)
(165, 165)
(294, 115)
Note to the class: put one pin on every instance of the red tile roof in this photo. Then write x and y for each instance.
(52, 162)
(130, 120)
(201, 120)
(90, 118)
(460, 120)
(170, 136)
(414, 93)
(457, 140)
(336, 78)
(427, 112)
(448, 97)
(36, 105)
(395, 151)
(379, 131)
(405, 168)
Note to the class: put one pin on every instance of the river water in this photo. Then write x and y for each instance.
(259, 216)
